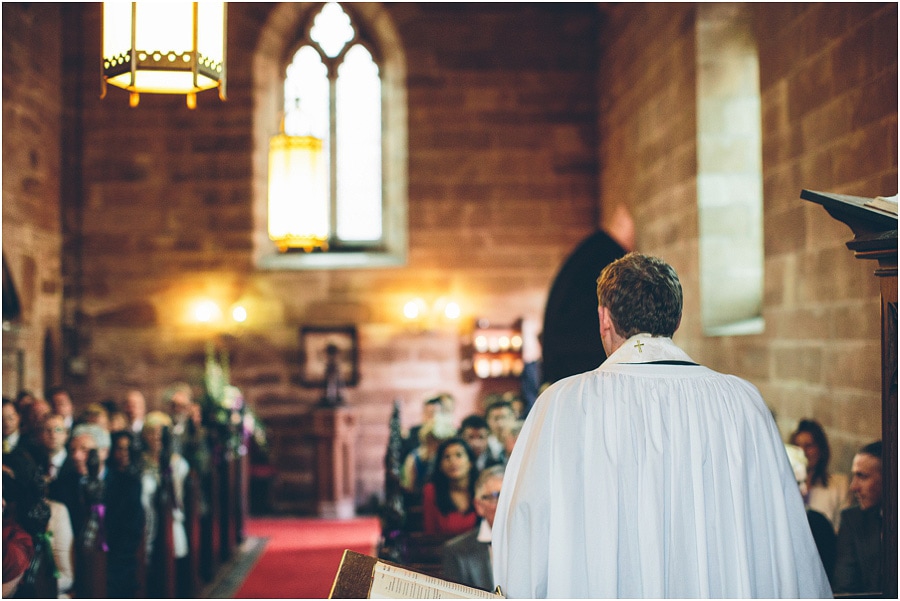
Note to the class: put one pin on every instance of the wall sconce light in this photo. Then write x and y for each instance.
(423, 317)
(164, 48)
(452, 311)
(414, 309)
(207, 312)
(239, 313)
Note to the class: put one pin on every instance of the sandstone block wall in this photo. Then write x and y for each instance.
(828, 84)
(528, 125)
(501, 188)
(32, 238)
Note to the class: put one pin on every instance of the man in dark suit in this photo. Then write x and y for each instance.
(859, 545)
(466, 559)
(500, 417)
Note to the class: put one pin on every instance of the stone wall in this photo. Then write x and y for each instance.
(501, 188)
(32, 238)
(828, 83)
(528, 125)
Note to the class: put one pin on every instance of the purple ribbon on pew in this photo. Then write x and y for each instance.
(100, 510)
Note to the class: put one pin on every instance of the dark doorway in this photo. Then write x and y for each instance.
(571, 336)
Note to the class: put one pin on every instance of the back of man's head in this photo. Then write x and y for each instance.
(642, 294)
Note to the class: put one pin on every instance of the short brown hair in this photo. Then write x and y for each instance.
(642, 294)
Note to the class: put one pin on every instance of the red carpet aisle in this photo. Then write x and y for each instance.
(302, 555)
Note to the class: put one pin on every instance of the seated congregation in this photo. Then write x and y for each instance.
(121, 503)
(451, 475)
(117, 502)
(447, 480)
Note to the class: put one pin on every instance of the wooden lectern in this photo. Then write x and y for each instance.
(875, 231)
(335, 432)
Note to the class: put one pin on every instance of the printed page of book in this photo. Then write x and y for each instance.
(888, 204)
(391, 582)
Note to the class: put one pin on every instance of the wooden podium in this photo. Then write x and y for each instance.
(875, 232)
(335, 432)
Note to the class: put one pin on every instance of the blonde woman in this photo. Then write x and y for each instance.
(151, 478)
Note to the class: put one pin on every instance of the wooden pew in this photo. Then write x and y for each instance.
(192, 502)
(241, 489)
(226, 496)
(213, 535)
(211, 521)
(90, 573)
(423, 552)
(141, 574)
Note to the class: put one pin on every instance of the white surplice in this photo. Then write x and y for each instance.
(654, 481)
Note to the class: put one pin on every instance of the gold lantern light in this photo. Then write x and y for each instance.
(164, 48)
(298, 193)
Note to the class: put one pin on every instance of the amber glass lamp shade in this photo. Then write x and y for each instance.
(164, 48)
(298, 193)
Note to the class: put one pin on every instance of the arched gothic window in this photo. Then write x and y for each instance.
(337, 170)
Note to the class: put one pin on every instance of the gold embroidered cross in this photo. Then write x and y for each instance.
(639, 346)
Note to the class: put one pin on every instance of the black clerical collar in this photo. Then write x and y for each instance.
(663, 362)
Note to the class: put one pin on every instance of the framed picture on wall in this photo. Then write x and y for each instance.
(317, 343)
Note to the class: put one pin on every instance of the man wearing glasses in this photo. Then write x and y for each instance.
(466, 559)
(53, 436)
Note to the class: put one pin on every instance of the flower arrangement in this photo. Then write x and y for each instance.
(225, 405)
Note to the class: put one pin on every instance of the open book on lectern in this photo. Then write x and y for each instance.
(362, 577)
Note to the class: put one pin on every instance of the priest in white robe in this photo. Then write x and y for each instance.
(651, 476)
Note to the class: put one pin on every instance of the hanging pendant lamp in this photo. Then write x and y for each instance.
(298, 193)
(164, 48)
